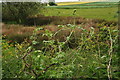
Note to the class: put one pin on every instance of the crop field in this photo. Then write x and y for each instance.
(70, 3)
(87, 4)
(97, 3)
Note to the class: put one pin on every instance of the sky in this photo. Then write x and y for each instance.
(85, 0)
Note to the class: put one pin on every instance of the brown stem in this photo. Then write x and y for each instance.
(29, 67)
(26, 54)
(44, 70)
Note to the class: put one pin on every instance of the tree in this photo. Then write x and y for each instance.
(52, 4)
(19, 11)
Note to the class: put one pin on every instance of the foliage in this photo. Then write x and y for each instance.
(19, 11)
(94, 57)
(52, 4)
(84, 52)
(9, 60)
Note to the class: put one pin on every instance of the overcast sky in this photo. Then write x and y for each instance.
(86, 0)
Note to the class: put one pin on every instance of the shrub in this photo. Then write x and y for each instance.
(11, 63)
(19, 11)
(52, 4)
(95, 53)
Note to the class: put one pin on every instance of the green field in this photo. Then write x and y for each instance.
(109, 14)
(87, 5)
(96, 4)
(93, 10)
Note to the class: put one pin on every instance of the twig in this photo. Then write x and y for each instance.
(28, 66)
(26, 54)
(110, 59)
(44, 70)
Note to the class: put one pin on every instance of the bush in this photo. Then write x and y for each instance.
(92, 58)
(52, 4)
(19, 11)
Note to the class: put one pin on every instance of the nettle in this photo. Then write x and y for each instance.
(38, 62)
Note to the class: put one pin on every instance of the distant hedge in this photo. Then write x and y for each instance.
(52, 4)
(19, 11)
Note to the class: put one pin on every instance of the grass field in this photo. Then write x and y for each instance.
(92, 10)
(109, 14)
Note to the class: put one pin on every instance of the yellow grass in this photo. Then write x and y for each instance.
(70, 3)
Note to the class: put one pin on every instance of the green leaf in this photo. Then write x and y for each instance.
(61, 26)
(34, 42)
(54, 60)
(38, 51)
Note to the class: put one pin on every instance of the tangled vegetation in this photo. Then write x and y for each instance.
(94, 55)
